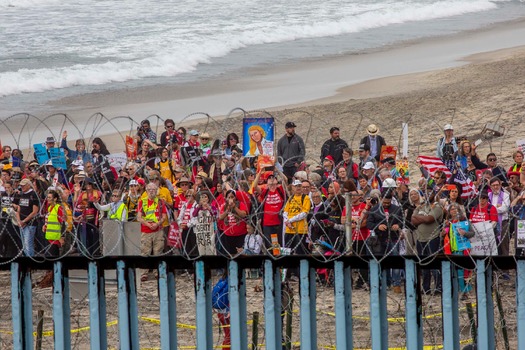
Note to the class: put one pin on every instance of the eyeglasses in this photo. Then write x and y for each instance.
(114, 195)
(491, 159)
(305, 187)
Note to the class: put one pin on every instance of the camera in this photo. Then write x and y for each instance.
(373, 201)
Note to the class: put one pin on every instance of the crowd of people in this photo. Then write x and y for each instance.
(193, 195)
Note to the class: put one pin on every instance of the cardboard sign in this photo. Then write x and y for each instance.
(41, 153)
(258, 137)
(484, 242)
(388, 152)
(205, 233)
(58, 158)
(131, 147)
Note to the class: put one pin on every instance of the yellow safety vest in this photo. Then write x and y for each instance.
(149, 211)
(53, 229)
(118, 214)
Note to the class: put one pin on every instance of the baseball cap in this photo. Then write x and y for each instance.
(25, 182)
(297, 183)
(77, 162)
(290, 125)
(133, 183)
(369, 165)
(364, 147)
(448, 127)
(389, 183)
(194, 132)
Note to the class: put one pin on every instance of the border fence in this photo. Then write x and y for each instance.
(483, 328)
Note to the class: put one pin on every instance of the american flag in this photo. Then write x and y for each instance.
(432, 164)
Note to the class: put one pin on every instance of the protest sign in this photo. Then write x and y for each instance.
(131, 147)
(117, 160)
(41, 153)
(388, 152)
(58, 158)
(484, 242)
(205, 233)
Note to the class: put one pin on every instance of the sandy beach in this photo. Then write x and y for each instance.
(468, 80)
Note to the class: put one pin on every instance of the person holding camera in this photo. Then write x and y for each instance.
(144, 132)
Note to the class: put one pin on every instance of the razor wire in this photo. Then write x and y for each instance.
(313, 128)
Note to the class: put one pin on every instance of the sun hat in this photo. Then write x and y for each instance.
(372, 129)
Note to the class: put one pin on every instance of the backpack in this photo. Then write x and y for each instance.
(219, 295)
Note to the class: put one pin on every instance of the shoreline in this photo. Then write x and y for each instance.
(470, 91)
(324, 80)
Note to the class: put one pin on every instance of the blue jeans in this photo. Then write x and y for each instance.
(28, 239)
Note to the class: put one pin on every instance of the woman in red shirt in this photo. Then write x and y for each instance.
(232, 214)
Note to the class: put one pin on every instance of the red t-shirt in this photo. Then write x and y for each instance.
(161, 209)
(478, 214)
(233, 225)
(358, 234)
(273, 203)
(244, 197)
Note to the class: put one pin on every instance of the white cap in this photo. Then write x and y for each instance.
(448, 127)
(297, 183)
(369, 165)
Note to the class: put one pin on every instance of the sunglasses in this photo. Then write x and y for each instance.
(205, 138)
(492, 159)
(169, 126)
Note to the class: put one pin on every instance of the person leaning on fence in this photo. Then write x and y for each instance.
(151, 213)
(427, 218)
(385, 221)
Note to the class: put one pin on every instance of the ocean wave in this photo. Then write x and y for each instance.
(27, 3)
(184, 57)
